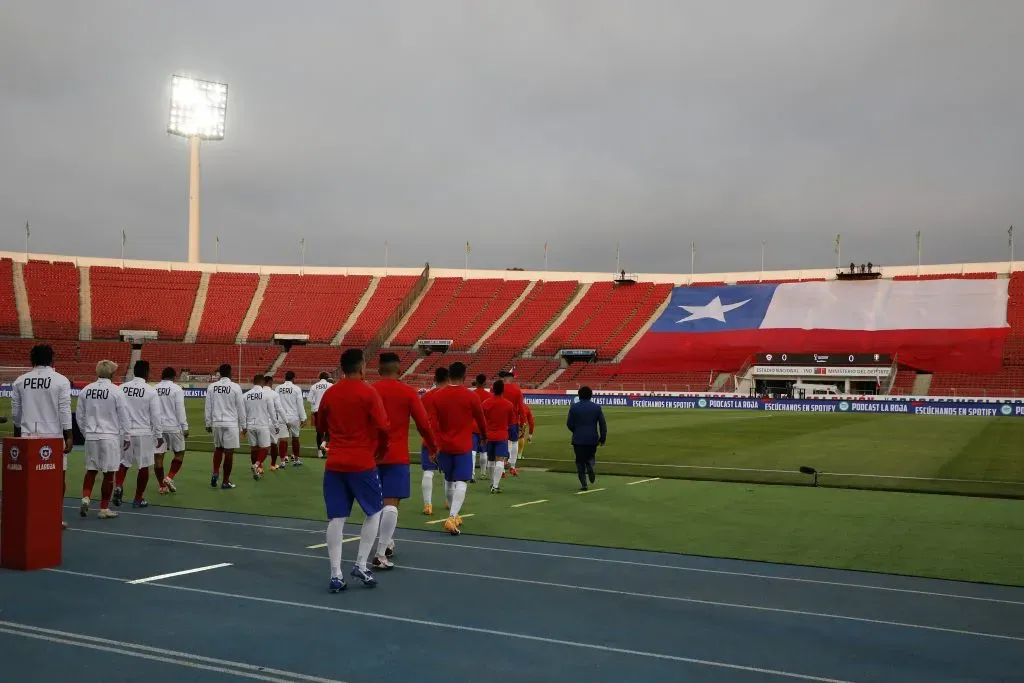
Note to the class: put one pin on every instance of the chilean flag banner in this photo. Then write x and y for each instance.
(931, 325)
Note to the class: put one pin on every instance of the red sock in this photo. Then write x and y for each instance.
(253, 452)
(296, 447)
(159, 471)
(261, 454)
(282, 448)
(106, 488)
(218, 456)
(273, 454)
(175, 466)
(122, 472)
(140, 482)
(90, 480)
(229, 460)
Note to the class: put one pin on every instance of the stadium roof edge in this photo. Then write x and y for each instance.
(674, 278)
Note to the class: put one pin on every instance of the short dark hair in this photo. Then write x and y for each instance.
(141, 369)
(389, 357)
(224, 370)
(457, 371)
(498, 388)
(168, 373)
(289, 376)
(389, 364)
(257, 380)
(268, 379)
(325, 375)
(440, 375)
(585, 393)
(41, 354)
(481, 380)
(350, 361)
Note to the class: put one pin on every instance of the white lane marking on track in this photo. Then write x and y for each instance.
(583, 493)
(486, 631)
(607, 591)
(177, 658)
(440, 521)
(184, 572)
(532, 502)
(324, 545)
(604, 560)
(642, 481)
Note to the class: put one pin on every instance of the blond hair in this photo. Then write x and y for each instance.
(105, 369)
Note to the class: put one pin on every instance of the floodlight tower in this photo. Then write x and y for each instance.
(198, 112)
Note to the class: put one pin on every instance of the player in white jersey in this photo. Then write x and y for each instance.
(316, 392)
(103, 419)
(294, 410)
(225, 417)
(279, 438)
(173, 428)
(143, 434)
(41, 402)
(261, 420)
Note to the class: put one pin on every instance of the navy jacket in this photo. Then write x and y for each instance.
(586, 422)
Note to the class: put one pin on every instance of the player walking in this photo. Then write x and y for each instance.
(103, 419)
(294, 413)
(401, 403)
(480, 440)
(260, 421)
(225, 418)
(352, 413)
(41, 403)
(455, 413)
(428, 463)
(316, 392)
(526, 429)
(143, 434)
(173, 428)
(515, 396)
(500, 416)
(279, 435)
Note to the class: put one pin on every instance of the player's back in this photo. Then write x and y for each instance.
(141, 407)
(223, 399)
(291, 401)
(453, 415)
(352, 413)
(38, 401)
(499, 414)
(259, 408)
(514, 395)
(101, 411)
(171, 400)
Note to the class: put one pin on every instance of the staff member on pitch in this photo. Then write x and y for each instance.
(589, 430)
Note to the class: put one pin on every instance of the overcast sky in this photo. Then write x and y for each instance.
(580, 123)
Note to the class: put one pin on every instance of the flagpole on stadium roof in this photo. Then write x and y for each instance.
(124, 238)
(839, 260)
(693, 258)
(385, 258)
(762, 260)
(1008, 232)
(28, 234)
(919, 253)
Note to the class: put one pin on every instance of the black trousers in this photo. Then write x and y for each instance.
(585, 459)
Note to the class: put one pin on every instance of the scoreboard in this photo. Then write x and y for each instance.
(835, 360)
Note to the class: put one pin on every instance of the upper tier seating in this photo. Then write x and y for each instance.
(204, 359)
(142, 299)
(541, 306)
(433, 303)
(390, 292)
(317, 305)
(53, 299)
(227, 301)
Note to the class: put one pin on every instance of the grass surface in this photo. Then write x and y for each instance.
(956, 537)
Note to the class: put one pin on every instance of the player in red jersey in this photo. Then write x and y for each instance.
(501, 416)
(455, 413)
(480, 440)
(401, 403)
(427, 463)
(352, 413)
(515, 396)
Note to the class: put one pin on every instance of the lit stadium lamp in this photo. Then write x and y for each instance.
(811, 472)
(198, 112)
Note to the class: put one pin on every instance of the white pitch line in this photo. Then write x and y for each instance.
(159, 577)
(324, 545)
(642, 481)
(491, 632)
(441, 521)
(606, 560)
(532, 502)
(583, 493)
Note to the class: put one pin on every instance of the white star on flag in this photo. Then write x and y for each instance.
(714, 309)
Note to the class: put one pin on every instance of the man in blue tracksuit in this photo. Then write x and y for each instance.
(589, 430)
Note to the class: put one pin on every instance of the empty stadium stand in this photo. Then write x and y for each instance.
(316, 305)
(74, 359)
(226, 304)
(904, 384)
(391, 290)
(431, 306)
(8, 308)
(203, 359)
(463, 310)
(53, 299)
(533, 316)
(142, 299)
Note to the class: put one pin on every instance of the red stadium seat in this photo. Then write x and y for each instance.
(53, 291)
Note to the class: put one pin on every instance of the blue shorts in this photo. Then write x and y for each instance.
(476, 443)
(456, 467)
(394, 480)
(497, 449)
(513, 432)
(341, 488)
(425, 462)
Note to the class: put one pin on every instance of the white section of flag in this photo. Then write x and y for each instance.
(889, 305)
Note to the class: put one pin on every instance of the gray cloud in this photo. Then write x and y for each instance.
(581, 123)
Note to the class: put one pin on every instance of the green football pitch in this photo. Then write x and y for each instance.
(706, 483)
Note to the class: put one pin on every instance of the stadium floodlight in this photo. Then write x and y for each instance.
(198, 112)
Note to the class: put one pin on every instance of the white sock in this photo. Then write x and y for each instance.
(484, 464)
(335, 534)
(497, 469)
(458, 497)
(367, 537)
(449, 490)
(513, 453)
(388, 523)
(427, 486)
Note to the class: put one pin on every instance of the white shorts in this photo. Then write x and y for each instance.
(102, 455)
(259, 437)
(173, 442)
(281, 434)
(140, 452)
(225, 437)
(293, 429)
